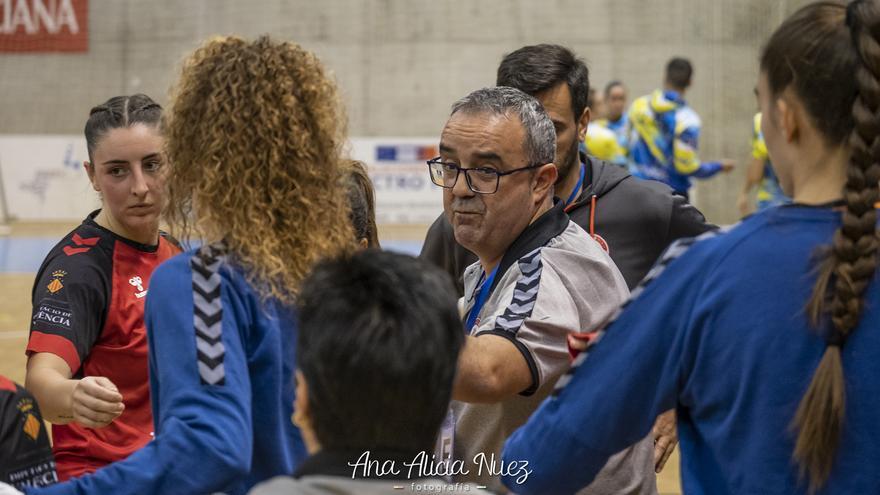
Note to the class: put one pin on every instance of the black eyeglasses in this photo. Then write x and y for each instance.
(481, 180)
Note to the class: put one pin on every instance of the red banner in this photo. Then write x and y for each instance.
(44, 25)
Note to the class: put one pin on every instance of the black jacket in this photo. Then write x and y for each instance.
(636, 218)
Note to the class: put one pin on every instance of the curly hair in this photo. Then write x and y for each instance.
(253, 136)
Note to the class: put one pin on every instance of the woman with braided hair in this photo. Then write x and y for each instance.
(765, 337)
(87, 349)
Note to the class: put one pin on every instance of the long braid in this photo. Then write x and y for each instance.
(851, 261)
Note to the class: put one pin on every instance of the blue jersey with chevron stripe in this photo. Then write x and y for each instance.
(221, 377)
(719, 332)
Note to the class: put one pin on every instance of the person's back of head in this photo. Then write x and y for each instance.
(535, 69)
(678, 73)
(825, 60)
(254, 132)
(378, 346)
(362, 204)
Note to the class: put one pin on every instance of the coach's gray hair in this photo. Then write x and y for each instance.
(540, 145)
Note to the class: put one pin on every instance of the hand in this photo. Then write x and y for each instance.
(578, 342)
(742, 204)
(96, 402)
(665, 438)
(727, 165)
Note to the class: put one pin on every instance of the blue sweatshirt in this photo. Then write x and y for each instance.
(720, 334)
(221, 379)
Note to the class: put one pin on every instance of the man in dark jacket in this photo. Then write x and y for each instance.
(634, 220)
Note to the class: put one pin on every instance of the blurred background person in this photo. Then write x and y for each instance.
(600, 141)
(614, 118)
(666, 131)
(362, 202)
(760, 175)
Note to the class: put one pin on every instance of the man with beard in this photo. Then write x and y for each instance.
(538, 279)
(633, 220)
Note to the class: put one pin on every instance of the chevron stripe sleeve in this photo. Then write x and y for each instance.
(200, 390)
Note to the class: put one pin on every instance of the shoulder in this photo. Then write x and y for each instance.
(573, 256)
(687, 118)
(700, 255)
(7, 385)
(641, 200)
(641, 104)
(84, 245)
(199, 265)
(79, 260)
(171, 240)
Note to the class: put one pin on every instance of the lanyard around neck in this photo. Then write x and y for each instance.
(482, 295)
(577, 187)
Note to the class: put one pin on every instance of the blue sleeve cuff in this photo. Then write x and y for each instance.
(707, 169)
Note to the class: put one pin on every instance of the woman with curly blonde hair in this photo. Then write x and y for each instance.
(253, 135)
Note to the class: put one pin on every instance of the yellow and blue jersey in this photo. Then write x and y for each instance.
(769, 192)
(620, 128)
(603, 144)
(663, 141)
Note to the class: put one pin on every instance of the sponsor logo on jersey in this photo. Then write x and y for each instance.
(52, 315)
(139, 283)
(55, 285)
(41, 473)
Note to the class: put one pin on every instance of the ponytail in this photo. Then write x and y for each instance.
(850, 263)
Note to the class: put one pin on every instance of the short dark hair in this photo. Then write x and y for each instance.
(678, 72)
(611, 85)
(378, 344)
(120, 111)
(537, 68)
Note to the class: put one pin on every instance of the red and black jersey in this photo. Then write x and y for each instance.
(88, 309)
(25, 456)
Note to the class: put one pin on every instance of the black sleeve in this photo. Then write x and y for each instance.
(441, 249)
(25, 454)
(69, 299)
(686, 220)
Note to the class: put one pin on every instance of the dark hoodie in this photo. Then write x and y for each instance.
(635, 218)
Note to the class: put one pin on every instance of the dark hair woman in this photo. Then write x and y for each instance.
(87, 349)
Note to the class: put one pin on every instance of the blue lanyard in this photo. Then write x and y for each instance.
(577, 187)
(481, 299)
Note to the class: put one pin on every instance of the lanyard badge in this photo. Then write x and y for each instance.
(482, 295)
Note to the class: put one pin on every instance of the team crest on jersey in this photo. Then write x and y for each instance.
(139, 283)
(55, 285)
(602, 243)
(31, 425)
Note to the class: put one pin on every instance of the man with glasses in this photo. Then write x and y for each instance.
(538, 278)
(634, 220)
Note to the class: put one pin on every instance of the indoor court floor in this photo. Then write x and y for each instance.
(22, 251)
